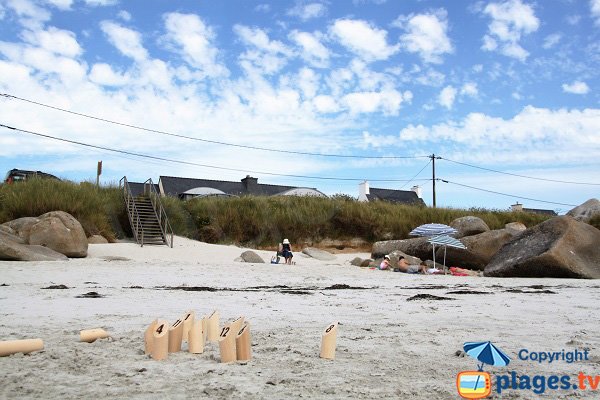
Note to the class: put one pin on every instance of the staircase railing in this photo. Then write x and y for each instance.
(165, 226)
(132, 213)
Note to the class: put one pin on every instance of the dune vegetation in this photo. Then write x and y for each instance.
(252, 221)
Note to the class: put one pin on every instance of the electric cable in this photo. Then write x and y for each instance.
(417, 174)
(204, 140)
(192, 163)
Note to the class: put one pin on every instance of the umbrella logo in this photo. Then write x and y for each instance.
(478, 384)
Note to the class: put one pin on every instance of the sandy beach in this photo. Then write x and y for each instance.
(393, 341)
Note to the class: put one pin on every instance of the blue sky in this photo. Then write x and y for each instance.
(500, 85)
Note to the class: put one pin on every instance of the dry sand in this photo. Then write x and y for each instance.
(388, 347)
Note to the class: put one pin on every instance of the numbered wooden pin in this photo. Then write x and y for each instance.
(175, 336)
(196, 338)
(8, 347)
(227, 344)
(243, 345)
(328, 342)
(188, 320)
(205, 328)
(160, 345)
(237, 324)
(91, 335)
(148, 338)
(213, 327)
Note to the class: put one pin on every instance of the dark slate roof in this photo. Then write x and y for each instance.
(174, 186)
(25, 173)
(395, 196)
(137, 188)
(540, 211)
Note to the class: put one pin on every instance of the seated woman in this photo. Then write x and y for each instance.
(286, 251)
(385, 263)
(404, 266)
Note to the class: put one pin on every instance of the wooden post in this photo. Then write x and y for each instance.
(328, 341)
(205, 328)
(175, 336)
(227, 344)
(148, 338)
(236, 325)
(90, 335)
(188, 320)
(160, 345)
(213, 327)
(8, 347)
(196, 338)
(243, 344)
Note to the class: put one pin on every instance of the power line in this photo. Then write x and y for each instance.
(203, 140)
(505, 194)
(417, 174)
(192, 163)
(521, 176)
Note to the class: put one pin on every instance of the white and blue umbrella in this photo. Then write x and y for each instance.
(430, 230)
(446, 241)
(486, 353)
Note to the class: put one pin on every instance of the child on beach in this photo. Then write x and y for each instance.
(286, 251)
(385, 263)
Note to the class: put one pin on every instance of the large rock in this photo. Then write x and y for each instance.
(469, 226)
(61, 232)
(561, 247)
(16, 251)
(586, 211)
(515, 227)
(22, 226)
(97, 239)
(479, 249)
(417, 247)
(251, 257)
(395, 255)
(318, 254)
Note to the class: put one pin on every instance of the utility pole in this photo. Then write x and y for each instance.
(433, 157)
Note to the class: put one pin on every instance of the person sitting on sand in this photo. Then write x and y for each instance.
(404, 266)
(385, 263)
(286, 251)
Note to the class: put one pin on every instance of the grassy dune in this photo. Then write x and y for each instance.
(256, 221)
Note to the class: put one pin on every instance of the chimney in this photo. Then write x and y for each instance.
(516, 207)
(250, 185)
(363, 191)
(417, 189)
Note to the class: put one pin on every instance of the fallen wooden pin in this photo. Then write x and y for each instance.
(196, 337)
(160, 340)
(188, 320)
(243, 345)
(227, 344)
(175, 336)
(91, 335)
(24, 346)
(213, 327)
(328, 342)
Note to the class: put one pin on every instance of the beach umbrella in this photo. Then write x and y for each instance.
(433, 230)
(446, 241)
(486, 353)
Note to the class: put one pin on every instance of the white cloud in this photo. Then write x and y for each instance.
(573, 19)
(124, 15)
(103, 74)
(313, 51)
(469, 89)
(308, 82)
(55, 40)
(551, 40)
(30, 14)
(360, 37)
(193, 40)
(265, 8)
(510, 21)
(478, 68)
(447, 96)
(576, 87)
(61, 4)
(100, 3)
(269, 56)
(388, 101)
(307, 11)
(127, 41)
(595, 10)
(325, 104)
(426, 34)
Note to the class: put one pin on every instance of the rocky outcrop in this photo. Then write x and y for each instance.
(586, 211)
(515, 227)
(318, 254)
(251, 257)
(469, 226)
(61, 232)
(479, 249)
(22, 226)
(356, 261)
(15, 250)
(417, 247)
(395, 255)
(97, 239)
(561, 247)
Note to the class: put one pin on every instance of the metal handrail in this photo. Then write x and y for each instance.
(159, 210)
(130, 205)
